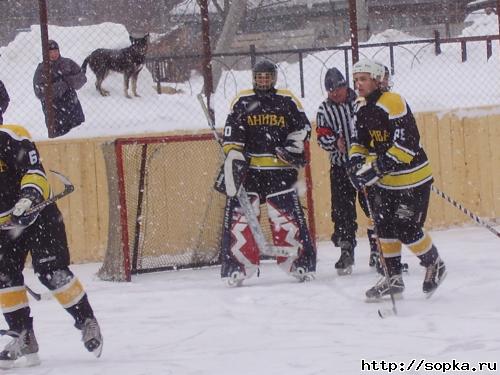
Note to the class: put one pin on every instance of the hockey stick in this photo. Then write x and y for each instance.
(68, 188)
(466, 211)
(33, 294)
(383, 313)
(264, 247)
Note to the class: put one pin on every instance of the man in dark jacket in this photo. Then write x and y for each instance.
(66, 77)
(4, 101)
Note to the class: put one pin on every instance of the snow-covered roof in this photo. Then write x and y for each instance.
(191, 6)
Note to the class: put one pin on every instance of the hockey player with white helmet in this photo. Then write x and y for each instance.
(394, 170)
(263, 141)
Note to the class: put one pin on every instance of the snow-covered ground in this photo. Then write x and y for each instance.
(427, 81)
(188, 323)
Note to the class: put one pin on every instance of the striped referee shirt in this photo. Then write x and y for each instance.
(332, 121)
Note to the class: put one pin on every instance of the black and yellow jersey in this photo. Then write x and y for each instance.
(20, 168)
(257, 124)
(385, 128)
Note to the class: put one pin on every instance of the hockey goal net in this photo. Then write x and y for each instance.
(163, 211)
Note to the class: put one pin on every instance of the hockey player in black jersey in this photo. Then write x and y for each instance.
(23, 184)
(265, 133)
(395, 171)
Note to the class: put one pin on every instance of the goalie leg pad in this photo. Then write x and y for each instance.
(289, 229)
(239, 252)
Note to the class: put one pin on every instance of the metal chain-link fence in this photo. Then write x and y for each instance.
(435, 74)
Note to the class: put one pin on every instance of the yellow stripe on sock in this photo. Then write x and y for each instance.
(12, 299)
(390, 247)
(421, 246)
(69, 294)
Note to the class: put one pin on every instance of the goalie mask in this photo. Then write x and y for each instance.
(265, 74)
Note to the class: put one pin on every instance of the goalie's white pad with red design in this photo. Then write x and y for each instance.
(243, 246)
(284, 225)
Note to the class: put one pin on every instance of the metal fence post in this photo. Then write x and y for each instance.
(44, 31)
(253, 58)
(353, 24)
(301, 72)
(437, 43)
(207, 54)
(391, 57)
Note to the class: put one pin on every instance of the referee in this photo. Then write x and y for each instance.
(334, 130)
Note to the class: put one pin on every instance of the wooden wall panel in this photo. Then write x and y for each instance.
(472, 182)
(429, 138)
(458, 166)
(446, 178)
(320, 171)
(486, 170)
(102, 200)
(494, 132)
(464, 154)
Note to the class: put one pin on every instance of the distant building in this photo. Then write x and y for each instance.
(324, 22)
(487, 5)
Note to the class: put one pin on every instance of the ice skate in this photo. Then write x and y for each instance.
(22, 351)
(386, 286)
(374, 259)
(303, 269)
(91, 336)
(345, 262)
(301, 274)
(380, 269)
(235, 279)
(434, 276)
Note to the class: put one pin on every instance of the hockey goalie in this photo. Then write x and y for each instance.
(263, 142)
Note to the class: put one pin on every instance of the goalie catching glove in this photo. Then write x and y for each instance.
(29, 198)
(293, 150)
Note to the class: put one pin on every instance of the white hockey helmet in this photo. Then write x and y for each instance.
(374, 68)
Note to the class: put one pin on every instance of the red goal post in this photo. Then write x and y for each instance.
(163, 211)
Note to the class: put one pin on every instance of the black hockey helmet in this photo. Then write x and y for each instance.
(334, 79)
(267, 72)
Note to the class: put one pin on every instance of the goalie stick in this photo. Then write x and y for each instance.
(68, 188)
(467, 212)
(253, 222)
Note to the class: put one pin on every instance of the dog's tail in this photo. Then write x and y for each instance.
(84, 65)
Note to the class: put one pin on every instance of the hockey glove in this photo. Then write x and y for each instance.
(292, 152)
(367, 175)
(30, 197)
(235, 170)
(354, 164)
(294, 159)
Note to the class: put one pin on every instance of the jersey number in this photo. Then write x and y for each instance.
(227, 131)
(400, 134)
